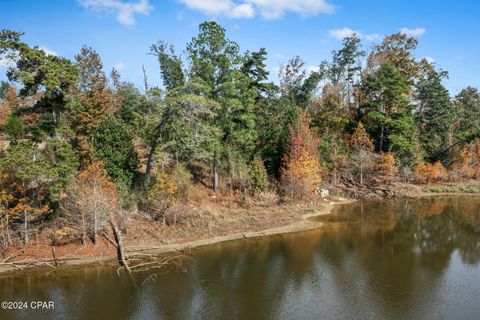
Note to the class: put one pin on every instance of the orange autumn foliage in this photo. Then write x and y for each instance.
(466, 164)
(362, 150)
(386, 166)
(428, 172)
(301, 172)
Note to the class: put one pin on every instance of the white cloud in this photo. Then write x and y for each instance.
(267, 9)
(413, 32)
(430, 60)
(373, 37)
(244, 10)
(119, 65)
(311, 69)
(125, 11)
(340, 34)
(48, 51)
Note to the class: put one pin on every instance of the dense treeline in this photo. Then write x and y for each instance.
(81, 148)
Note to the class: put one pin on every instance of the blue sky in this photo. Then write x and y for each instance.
(122, 30)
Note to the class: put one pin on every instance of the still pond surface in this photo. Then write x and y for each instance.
(405, 259)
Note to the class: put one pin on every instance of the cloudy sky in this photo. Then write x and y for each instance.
(122, 30)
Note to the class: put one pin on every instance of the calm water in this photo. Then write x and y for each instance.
(415, 259)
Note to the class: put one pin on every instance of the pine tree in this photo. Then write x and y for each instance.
(435, 116)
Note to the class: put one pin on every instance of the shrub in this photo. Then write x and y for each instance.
(428, 172)
(258, 175)
(387, 167)
(171, 186)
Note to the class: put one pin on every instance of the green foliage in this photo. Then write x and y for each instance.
(389, 114)
(469, 188)
(38, 71)
(113, 145)
(217, 109)
(435, 116)
(467, 124)
(14, 127)
(258, 175)
(170, 66)
(50, 168)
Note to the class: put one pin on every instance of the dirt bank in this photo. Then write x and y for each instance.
(213, 226)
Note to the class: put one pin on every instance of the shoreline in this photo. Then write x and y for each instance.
(303, 224)
(299, 225)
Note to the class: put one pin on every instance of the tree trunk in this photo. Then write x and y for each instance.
(95, 218)
(334, 144)
(84, 229)
(380, 144)
(25, 228)
(148, 169)
(361, 173)
(215, 171)
(122, 256)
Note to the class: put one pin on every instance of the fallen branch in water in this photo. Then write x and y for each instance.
(120, 248)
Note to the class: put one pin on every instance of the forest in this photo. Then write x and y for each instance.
(82, 151)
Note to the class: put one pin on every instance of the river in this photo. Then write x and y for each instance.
(402, 259)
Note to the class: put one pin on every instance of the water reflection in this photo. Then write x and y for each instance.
(375, 260)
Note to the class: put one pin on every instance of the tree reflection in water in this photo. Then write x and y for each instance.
(384, 259)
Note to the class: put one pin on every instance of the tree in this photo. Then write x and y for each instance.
(389, 114)
(254, 67)
(34, 180)
(466, 163)
(386, 167)
(385, 96)
(14, 127)
(215, 73)
(93, 101)
(301, 172)
(428, 172)
(97, 200)
(396, 50)
(346, 66)
(295, 84)
(258, 175)
(330, 117)
(170, 66)
(113, 145)
(37, 72)
(435, 116)
(362, 147)
(467, 124)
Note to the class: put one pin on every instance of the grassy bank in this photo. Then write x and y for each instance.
(456, 188)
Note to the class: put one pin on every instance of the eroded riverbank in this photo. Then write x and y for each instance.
(232, 225)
